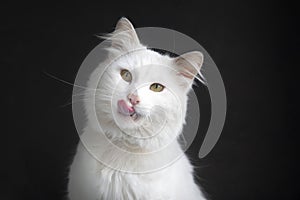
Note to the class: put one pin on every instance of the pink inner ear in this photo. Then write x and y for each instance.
(187, 75)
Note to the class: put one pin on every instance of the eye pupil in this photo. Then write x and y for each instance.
(156, 87)
(126, 75)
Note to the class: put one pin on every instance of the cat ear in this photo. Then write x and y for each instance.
(124, 37)
(188, 65)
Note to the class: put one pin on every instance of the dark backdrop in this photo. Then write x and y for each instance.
(254, 45)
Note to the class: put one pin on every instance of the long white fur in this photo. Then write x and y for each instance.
(89, 179)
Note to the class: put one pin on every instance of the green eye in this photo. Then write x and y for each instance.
(156, 87)
(126, 75)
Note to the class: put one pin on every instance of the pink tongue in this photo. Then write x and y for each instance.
(124, 108)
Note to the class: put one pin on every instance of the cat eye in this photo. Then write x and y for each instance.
(156, 87)
(126, 75)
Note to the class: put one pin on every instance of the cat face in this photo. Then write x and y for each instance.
(145, 92)
(142, 93)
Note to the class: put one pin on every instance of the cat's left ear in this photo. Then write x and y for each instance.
(188, 66)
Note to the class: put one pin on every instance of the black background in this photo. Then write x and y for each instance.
(254, 44)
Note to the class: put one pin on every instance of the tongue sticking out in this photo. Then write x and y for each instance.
(124, 108)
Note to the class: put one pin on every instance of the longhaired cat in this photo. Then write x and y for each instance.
(140, 103)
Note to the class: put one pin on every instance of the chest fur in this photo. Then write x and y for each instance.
(120, 185)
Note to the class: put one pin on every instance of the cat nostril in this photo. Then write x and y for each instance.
(134, 99)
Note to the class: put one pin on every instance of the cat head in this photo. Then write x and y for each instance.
(141, 96)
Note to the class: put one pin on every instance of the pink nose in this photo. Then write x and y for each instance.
(134, 99)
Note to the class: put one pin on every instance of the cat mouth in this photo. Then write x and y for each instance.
(126, 110)
(134, 116)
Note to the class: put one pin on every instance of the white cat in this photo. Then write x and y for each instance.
(140, 104)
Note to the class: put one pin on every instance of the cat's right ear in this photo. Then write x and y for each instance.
(124, 37)
(188, 66)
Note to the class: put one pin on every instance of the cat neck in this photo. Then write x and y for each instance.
(136, 160)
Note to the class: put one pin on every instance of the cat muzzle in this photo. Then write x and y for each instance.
(125, 109)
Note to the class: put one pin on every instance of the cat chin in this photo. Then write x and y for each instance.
(131, 121)
(131, 117)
